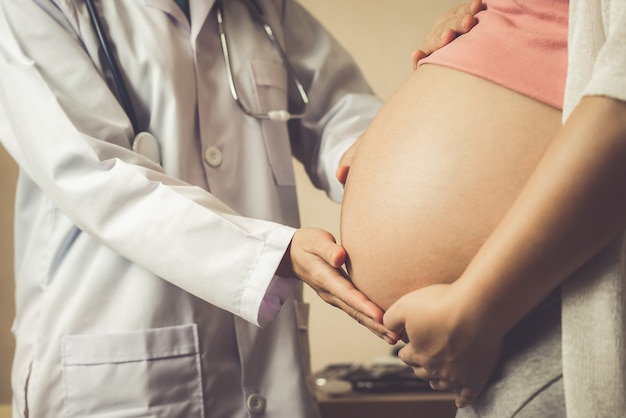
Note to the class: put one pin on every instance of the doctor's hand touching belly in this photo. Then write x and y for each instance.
(433, 175)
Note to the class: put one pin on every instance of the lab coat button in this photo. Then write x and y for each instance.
(213, 156)
(255, 403)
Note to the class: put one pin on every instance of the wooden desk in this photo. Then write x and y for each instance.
(413, 405)
(420, 405)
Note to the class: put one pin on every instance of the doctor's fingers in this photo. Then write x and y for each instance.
(376, 328)
(335, 288)
(373, 322)
(317, 243)
(316, 259)
(340, 292)
(349, 299)
(345, 162)
(342, 174)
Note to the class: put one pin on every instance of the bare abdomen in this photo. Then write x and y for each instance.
(433, 175)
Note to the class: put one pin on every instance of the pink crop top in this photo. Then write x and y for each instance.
(519, 44)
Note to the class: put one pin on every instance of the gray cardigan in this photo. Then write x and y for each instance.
(594, 318)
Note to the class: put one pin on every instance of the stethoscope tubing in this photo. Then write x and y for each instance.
(123, 92)
(116, 72)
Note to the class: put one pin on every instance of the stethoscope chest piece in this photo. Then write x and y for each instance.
(147, 145)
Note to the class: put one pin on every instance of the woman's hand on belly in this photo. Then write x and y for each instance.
(457, 21)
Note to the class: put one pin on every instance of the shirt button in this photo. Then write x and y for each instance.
(213, 156)
(255, 403)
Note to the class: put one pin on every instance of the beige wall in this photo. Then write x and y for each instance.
(380, 35)
(8, 174)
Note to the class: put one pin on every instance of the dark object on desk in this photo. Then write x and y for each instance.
(337, 379)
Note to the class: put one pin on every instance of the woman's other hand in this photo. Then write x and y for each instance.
(457, 21)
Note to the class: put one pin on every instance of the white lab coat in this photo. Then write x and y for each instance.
(132, 279)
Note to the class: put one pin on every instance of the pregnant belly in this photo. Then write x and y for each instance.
(433, 175)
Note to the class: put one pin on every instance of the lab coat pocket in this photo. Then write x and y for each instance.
(271, 93)
(148, 373)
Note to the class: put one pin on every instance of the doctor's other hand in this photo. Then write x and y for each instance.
(346, 161)
(458, 20)
(445, 346)
(316, 258)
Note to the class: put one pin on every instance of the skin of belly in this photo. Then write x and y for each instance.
(433, 175)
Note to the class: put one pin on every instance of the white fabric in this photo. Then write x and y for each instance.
(594, 318)
(135, 262)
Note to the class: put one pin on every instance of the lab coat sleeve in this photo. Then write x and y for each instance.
(67, 132)
(342, 104)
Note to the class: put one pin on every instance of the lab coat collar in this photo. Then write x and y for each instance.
(171, 8)
(200, 9)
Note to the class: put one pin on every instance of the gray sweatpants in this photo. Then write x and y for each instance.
(528, 383)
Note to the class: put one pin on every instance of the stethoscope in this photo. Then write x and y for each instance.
(144, 142)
